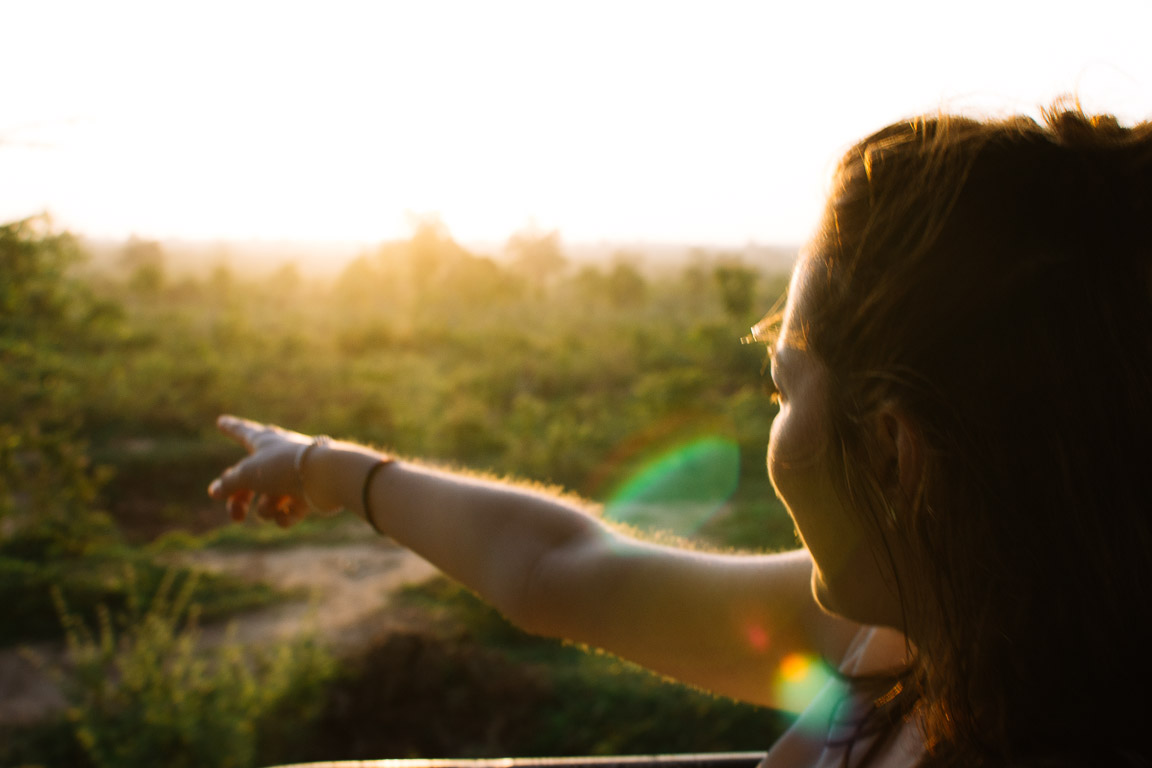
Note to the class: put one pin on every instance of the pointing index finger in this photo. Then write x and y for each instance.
(243, 431)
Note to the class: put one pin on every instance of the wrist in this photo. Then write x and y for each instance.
(333, 475)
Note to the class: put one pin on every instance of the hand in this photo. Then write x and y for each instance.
(268, 477)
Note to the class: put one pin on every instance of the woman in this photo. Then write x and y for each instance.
(964, 370)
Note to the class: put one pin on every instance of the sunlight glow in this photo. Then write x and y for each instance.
(659, 121)
(798, 681)
(679, 490)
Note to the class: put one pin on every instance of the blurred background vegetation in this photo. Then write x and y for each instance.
(531, 365)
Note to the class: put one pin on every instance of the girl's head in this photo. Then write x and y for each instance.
(979, 297)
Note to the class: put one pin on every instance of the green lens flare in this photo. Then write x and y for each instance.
(799, 680)
(681, 489)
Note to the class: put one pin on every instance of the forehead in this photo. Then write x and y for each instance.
(787, 328)
(793, 328)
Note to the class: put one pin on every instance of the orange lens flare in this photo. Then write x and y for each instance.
(798, 680)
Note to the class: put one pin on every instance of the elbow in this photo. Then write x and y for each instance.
(534, 606)
(556, 596)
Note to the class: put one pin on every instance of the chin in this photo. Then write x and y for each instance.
(823, 595)
(862, 609)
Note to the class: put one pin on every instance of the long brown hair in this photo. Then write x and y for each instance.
(993, 280)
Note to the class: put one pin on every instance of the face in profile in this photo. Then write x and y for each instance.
(849, 577)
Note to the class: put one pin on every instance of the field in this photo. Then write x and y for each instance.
(609, 381)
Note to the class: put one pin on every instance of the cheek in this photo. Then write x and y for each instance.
(792, 470)
(803, 482)
(770, 457)
(795, 446)
(777, 465)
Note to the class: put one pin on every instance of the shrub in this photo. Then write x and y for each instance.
(147, 688)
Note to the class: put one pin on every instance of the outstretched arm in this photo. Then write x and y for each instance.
(721, 622)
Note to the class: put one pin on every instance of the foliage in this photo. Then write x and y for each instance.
(52, 743)
(144, 261)
(146, 685)
(56, 340)
(253, 535)
(626, 286)
(51, 327)
(28, 577)
(540, 696)
(425, 347)
(737, 287)
(537, 254)
(419, 345)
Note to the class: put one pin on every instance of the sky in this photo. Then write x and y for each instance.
(691, 122)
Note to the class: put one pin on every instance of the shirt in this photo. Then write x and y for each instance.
(812, 741)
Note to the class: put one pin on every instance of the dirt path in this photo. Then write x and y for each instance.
(349, 587)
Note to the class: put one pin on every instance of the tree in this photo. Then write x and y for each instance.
(286, 281)
(737, 284)
(538, 255)
(144, 260)
(626, 286)
(590, 284)
(431, 251)
(476, 281)
(695, 282)
(50, 328)
(357, 283)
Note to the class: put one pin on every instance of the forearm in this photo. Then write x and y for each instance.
(488, 535)
(725, 623)
(722, 622)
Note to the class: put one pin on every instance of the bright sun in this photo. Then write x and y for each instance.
(669, 122)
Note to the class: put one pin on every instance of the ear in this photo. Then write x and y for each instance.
(899, 453)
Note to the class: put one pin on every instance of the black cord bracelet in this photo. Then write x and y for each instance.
(364, 494)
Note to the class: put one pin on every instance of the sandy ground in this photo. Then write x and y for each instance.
(348, 586)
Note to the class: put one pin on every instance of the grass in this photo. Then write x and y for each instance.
(89, 563)
(254, 534)
(587, 702)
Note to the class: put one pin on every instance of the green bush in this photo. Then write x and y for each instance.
(29, 572)
(144, 687)
(51, 329)
(543, 697)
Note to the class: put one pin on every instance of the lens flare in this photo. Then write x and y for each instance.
(798, 680)
(757, 637)
(679, 490)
